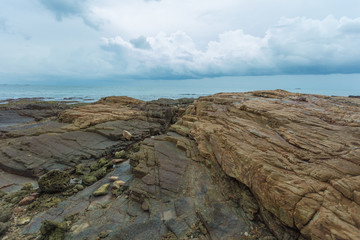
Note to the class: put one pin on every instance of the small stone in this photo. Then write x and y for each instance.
(145, 205)
(54, 181)
(23, 221)
(127, 135)
(117, 160)
(89, 180)
(113, 178)
(103, 190)
(35, 194)
(120, 154)
(79, 187)
(26, 200)
(117, 184)
(18, 210)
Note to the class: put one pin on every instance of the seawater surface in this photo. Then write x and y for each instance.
(337, 84)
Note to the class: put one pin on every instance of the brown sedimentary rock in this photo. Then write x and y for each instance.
(298, 154)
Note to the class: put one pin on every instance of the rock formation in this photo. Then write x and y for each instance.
(257, 165)
(298, 154)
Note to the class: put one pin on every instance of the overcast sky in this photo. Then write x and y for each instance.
(176, 39)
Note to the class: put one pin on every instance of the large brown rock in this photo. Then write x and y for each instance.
(298, 154)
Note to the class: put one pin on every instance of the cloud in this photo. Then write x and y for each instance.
(72, 8)
(293, 46)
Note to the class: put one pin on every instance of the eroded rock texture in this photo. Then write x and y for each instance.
(83, 133)
(298, 154)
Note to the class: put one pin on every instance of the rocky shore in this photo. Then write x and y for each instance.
(257, 165)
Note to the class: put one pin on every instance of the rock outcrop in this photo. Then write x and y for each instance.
(298, 154)
(83, 133)
(257, 165)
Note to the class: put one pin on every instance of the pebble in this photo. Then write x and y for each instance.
(103, 190)
(127, 135)
(26, 200)
(117, 184)
(113, 178)
(118, 160)
(23, 221)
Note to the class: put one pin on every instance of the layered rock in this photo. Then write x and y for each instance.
(298, 154)
(83, 133)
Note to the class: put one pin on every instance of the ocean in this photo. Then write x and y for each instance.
(332, 85)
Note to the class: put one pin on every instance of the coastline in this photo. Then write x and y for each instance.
(264, 160)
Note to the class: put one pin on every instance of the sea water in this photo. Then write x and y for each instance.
(332, 85)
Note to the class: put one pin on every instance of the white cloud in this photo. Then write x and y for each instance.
(72, 8)
(293, 46)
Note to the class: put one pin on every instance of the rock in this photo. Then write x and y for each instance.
(82, 169)
(118, 160)
(113, 178)
(23, 221)
(26, 200)
(79, 187)
(103, 190)
(3, 228)
(54, 181)
(53, 230)
(27, 186)
(127, 135)
(89, 180)
(117, 184)
(5, 214)
(145, 205)
(100, 173)
(297, 153)
(120, 154)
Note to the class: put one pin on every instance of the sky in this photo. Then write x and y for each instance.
(94, 40)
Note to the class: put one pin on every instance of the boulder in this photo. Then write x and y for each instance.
(54, 181)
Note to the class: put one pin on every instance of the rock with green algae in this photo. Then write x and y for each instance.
(99, 164)
(88, 180)
(16, 197)
(103, 190)
(82, 169)
(53, 230)
(5, 214)
(120, 154)
(54, 181)
(100, 173)
(3, 228)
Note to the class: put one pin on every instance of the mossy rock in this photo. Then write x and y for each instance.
(53, 231)
(5, 214)
(82, 169)
(120, 154)
(100, 173)
(79, 187)
(27, 186)
(51, 202)
(117, 191)
(103, 190)
(54, 181)
(103, 162)
(2, 194)
(16, 197)
(89, 180)
(3, 228)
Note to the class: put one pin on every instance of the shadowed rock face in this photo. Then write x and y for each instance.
(298, 154)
